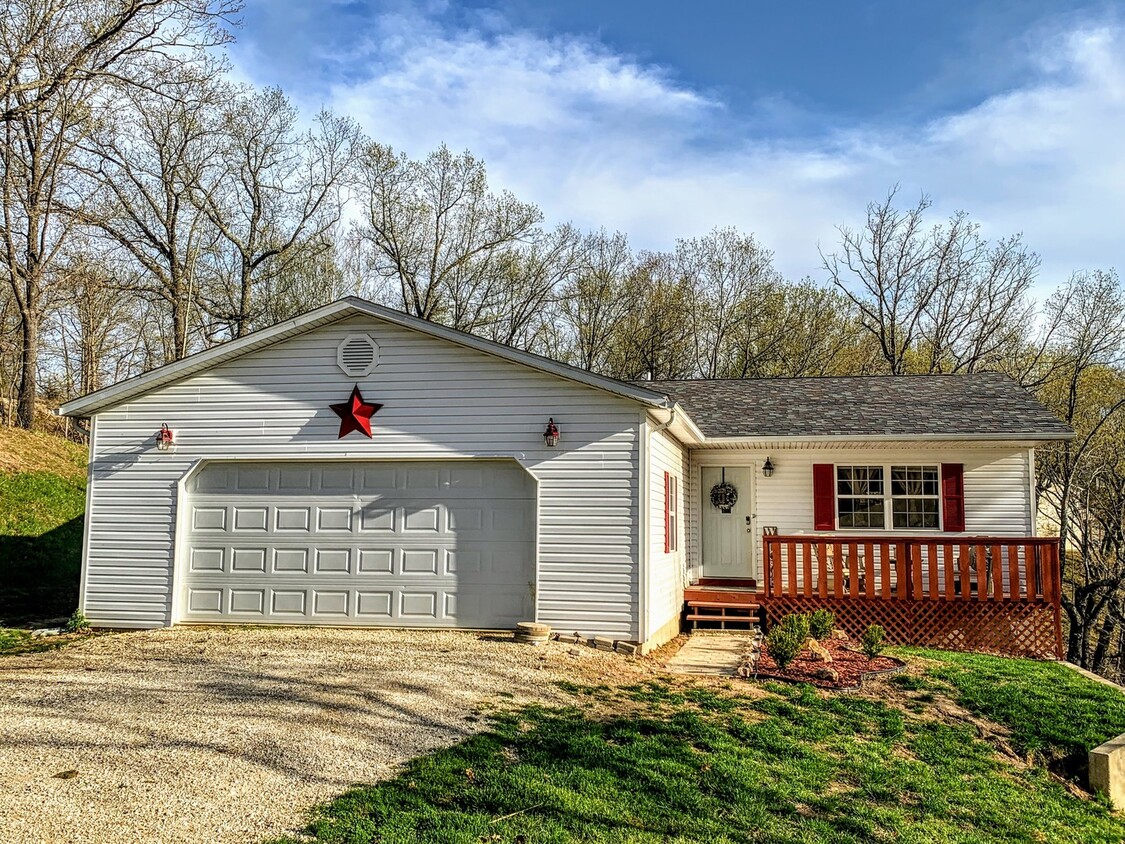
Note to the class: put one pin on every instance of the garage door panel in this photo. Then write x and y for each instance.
(435, 544)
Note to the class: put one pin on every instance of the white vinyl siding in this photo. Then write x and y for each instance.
(666, 570)
(440, 400)
(997, 487)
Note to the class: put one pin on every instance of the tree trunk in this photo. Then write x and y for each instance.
(29, 370)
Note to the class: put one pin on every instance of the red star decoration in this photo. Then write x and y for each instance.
(355, 414)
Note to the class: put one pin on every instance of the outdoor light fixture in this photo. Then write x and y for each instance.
(767, 468)
(164, 439)
(551, 434)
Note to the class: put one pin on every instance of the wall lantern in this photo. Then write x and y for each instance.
(767, 468)
(164, 438)
(551, 433)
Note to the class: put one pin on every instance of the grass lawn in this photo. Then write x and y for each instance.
(1051, 711)
(43, 489)
(676, 761)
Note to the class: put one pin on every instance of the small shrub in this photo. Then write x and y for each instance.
(872, 641)
(797, 623)
(788, 638)
(783, 644)
(77, 623)
(821, 624)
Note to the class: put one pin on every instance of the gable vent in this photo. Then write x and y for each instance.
(357, 355)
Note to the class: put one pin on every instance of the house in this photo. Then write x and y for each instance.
(358, 466)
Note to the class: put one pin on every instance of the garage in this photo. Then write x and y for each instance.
(446, 543)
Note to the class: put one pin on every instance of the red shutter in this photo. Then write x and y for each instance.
(667, 515)
(953, 497)
(824, 496)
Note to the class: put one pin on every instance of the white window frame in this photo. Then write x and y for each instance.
(672, 514)
(887, 497)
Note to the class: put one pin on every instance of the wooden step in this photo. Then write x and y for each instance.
(721, 612)
(743, 597)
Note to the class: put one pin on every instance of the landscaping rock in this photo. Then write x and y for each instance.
(629, 648)
(46, 631)
(828, 674)
(602, 643)
(821, 652)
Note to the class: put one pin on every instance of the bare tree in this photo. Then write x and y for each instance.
(887, 270)
(1086, 318)
(732, 278)
(435, 232)
(654, 340)
(48, 46)
(147, 161)
(37, 147)
(593, 302)
(272, 193)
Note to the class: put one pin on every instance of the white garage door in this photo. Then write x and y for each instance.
(433, 544)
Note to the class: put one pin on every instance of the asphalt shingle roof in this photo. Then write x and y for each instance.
(982, 403)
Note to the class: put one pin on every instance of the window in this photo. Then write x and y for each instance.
(865, 501)
(914, 497)
(860, 496)
(671, 513)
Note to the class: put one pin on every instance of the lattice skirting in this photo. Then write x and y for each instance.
(1014, 628)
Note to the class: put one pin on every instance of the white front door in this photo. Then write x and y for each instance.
(728, 537)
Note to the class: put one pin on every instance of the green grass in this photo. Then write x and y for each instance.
(1050, 710)
(40, 545)
(689, 763)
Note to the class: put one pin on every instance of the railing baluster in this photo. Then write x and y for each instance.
(837, 569)
(869, 570)
(982, 573)
(902, 570)
(997, 571)
(822, 569)
(806, 567)
(853, 569)
(885, 569)
(792, 549)
(931, 551)
(947, 561)
(1013, 572)
(966, 572)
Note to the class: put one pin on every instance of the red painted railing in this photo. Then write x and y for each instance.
(913, 567)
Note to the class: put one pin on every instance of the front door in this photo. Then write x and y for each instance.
(728, 527)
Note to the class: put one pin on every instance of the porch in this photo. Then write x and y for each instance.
(988, 593)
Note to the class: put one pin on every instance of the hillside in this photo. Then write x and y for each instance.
(42, 498)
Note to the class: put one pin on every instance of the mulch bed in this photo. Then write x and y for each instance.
(851, 665)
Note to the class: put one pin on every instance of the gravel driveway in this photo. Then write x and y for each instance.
(230, 735)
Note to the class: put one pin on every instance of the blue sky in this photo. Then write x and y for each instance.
(665, 119)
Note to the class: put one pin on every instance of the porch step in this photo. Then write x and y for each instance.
(729, 595)
(723, 612)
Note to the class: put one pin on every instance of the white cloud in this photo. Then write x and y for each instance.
(605, 140)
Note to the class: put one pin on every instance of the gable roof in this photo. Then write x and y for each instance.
(985, 405)
(326, 315)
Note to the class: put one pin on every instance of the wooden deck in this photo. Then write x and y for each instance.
(997, 594)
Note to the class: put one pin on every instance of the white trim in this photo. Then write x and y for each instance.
(86, 518)
(1033, 503)
(644, 528)
(176, 609)
(334, 312)
(888, 497)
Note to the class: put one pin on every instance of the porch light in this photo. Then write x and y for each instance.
(551, 433)
(767, 468)
(164, 438)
